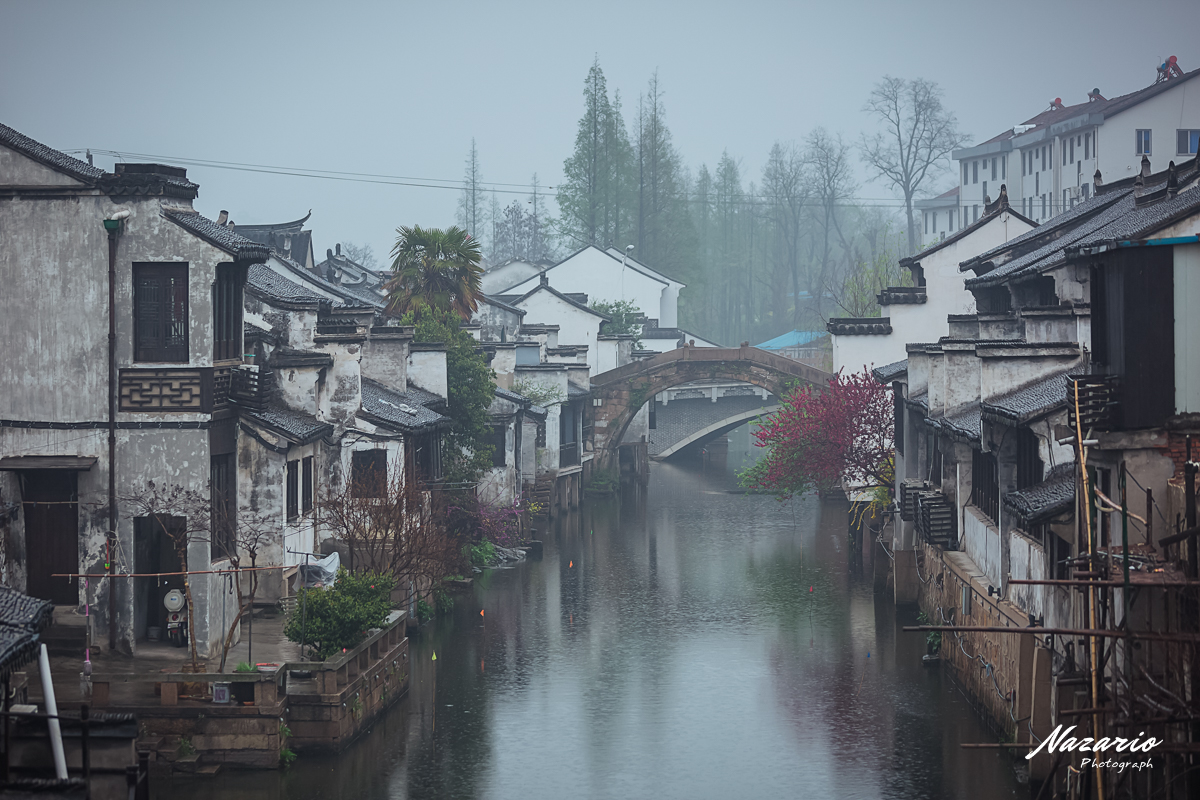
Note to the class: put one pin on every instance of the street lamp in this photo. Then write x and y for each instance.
(624, 260)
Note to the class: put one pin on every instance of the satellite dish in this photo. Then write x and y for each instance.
(174, 601)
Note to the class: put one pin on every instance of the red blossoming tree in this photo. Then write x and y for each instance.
(822, 436)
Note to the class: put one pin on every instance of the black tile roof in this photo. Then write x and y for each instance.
(965, 422)
(560, 295)
(1129, 218)
(22, 619)
(270, 285)
(920, 401)
(494, 300)
(1051, 252)
(1030, 402)
(1053, 496)
(513, 397)
(425, 398)
(889, 372)
(62, 162)
(400, 410)
(296, 426)
(221, 236)
(902, 295)
(577, 391)
(1065, 220)
(990, 213)
(859, 326)
(1144, 219)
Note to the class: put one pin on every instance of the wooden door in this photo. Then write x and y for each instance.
(51, 534)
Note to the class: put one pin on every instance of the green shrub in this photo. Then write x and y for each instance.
(424, 612)
(245, 666)
(606, 481)
(338, 619)
(286, 757)
(443, 601)
(481, 554)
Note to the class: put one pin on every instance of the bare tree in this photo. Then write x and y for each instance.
(785, 185)
(918, 134)
(245, 535)
(394, 525)
(363, 255)
(829, 177)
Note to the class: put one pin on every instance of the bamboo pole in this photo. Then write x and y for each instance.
(1092, 593)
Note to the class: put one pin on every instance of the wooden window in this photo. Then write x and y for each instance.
(1029, 462)
(974, 172)
(306, 494)
(1087, 146)
(293, 490)
(499, 456)
(985, 482)
(227, 313)
(898, 417)
(160, 312)
(1188, 142)
(994, 168)
(223, 483)
(368, 473)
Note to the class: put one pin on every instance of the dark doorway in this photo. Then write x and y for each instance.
(153, 553)
(51, 534)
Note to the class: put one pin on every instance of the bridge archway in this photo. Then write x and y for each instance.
(619, 393)
(716, 429)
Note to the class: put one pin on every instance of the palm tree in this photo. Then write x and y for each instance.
(434, 269)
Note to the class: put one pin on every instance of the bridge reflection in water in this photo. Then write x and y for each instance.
(667, 647)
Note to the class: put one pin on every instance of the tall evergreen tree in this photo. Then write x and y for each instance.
(472, 201)
(664, 236)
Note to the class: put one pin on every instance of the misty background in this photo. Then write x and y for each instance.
(374, 109)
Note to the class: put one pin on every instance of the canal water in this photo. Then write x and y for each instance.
(693, 642)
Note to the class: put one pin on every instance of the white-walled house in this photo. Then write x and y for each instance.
(604, 275)
(1049, 162)
(921, 312)
(578, 325)
(502, 277)
(939, 216)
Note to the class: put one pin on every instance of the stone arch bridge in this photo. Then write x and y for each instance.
(619, 393)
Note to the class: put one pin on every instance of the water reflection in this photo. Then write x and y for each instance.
(666, 647)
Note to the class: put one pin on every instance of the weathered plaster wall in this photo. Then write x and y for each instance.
(385, 358)
(340, 397)
(496, 323)
(427, 369)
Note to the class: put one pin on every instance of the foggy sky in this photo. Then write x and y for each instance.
(401, 88)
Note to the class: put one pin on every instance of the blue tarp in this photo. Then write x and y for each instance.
(791, 339)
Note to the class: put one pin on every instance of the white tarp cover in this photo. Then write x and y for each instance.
(320, 574)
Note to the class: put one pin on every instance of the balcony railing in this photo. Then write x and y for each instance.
(248, 387)
(1099, 408)
(221, 379)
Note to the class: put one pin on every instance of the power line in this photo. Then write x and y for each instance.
(457, 184)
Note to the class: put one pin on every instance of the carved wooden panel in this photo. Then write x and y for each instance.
(166, 390)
